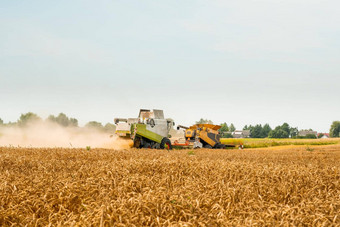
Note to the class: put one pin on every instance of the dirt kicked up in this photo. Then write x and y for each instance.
(59, 186)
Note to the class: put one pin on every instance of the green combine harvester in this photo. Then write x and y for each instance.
(151, 130)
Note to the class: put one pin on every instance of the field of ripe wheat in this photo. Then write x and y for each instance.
(295, 186)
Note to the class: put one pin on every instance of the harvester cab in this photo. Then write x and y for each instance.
(151, 130)
(123, 126)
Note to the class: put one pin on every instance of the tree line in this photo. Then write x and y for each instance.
(61, 119)
(256, 131)
(265, 131)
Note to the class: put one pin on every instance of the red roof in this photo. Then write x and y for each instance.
(326, 134)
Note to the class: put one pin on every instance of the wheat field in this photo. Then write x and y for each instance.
(271, 142)
(100, 187)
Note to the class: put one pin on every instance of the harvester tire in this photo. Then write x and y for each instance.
(207, 146)
(137, 142)
(166, 142)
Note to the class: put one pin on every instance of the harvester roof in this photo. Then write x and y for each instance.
(156, 114)
(117, 120)
(214, 127)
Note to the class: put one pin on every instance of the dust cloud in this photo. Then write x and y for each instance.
(48, 134)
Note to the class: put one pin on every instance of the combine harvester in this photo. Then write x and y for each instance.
(201, 136)
(152, 130)
(149, 130)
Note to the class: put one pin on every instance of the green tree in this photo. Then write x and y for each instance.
(204, 121)
(28, 118)
(110, 128)
(335, 129)
(294, 132)
(63, 120)
(285, 127)
(94, 125)
(250, 128)
(51, 118)
(73, 122)
(266, 130)
(1, 122)
(227, 135)
(278, 132)
(256, 131)
(283, 131)
(224, 128)
(232, 127)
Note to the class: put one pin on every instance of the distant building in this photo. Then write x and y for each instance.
(241, 134)
(324, 135)
(307, 132)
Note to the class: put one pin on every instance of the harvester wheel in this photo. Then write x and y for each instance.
(207, 146)
(137, 142)
(166, 143)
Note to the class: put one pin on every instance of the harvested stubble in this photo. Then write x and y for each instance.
(155, 187)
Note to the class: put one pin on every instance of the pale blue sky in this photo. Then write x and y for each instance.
(244, 62)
